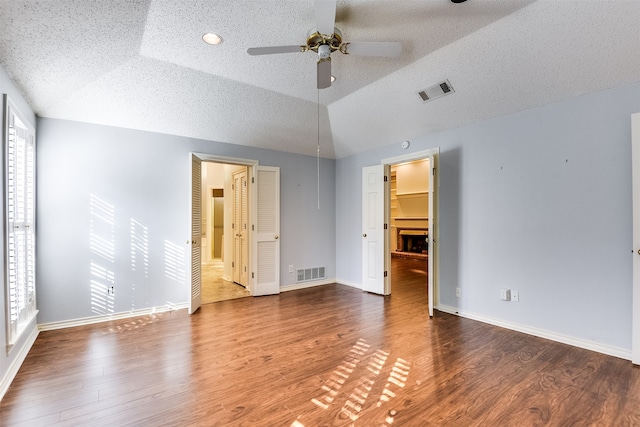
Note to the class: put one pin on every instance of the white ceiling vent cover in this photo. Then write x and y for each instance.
(314, 273)
(438, 90)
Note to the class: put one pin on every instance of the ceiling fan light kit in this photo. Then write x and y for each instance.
(326, 39)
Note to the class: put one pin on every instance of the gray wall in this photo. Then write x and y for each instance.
(539, 202)
(7, 87)
(145, 177)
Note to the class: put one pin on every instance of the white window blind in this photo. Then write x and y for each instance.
(19, 154)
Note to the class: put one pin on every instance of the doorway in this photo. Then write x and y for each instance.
(409, 228)
(224, 243)
(424, 185)
(263, 254)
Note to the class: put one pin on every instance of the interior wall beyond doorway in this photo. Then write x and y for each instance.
(218, 175)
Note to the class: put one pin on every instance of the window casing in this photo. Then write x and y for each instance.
(19, 203)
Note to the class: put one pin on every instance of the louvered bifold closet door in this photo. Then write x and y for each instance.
(20, 224)
(268, 231)
(196, 230)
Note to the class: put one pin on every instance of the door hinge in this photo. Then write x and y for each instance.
(385, 226)
(253, 180)
(253, 275)
(233, 186)
(385, 178)
(233, 226)
(253, 227)
(433, 171)
(385, 274)
(233, 264)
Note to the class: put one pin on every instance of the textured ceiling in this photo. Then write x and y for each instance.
(142, 64)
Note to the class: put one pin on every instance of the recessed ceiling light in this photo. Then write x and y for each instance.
(212, 38)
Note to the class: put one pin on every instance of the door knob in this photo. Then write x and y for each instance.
(364, 235)
(275, 237)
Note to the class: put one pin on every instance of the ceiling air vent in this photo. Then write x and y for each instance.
(436, 91)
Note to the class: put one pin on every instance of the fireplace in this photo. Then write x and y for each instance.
(412, 242)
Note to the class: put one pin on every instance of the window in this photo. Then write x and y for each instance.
(19, 202)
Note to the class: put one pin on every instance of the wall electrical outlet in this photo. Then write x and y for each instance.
(515, 296)
(291, 269)
(505, 294)
(458, 292)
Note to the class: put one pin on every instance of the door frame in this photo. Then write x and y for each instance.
(252, 166)
(434, 297)
(635, 184)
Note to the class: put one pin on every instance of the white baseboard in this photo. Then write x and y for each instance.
(553, 336)
(305, 285)
(107, 317)
(351, 284)
(17, 362)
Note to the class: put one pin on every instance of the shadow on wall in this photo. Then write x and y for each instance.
(450, 201)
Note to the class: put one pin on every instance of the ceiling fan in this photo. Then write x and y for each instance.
(325, 39)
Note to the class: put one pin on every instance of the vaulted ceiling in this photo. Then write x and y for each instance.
(142, 64)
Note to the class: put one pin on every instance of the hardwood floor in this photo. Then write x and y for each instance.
(325, 356)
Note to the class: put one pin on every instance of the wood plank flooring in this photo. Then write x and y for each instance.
(324, 356)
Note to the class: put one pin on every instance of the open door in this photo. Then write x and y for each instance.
(240, 228)
(196, 233)
(373, 230)
(267, 231)
(433, 227)
(635, 167)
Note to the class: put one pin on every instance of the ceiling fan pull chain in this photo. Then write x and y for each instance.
(318, 150)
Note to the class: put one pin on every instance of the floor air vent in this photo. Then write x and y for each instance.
(436, 91)
(314, 273)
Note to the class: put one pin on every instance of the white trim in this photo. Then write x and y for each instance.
(418, 155)
(222, 159)
(542, 333)
(350, 284)
(635, 286)
(108, 317)
(17, 362)
(304, 285)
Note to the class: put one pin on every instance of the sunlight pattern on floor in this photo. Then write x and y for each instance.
(356, 402)
(342, 373)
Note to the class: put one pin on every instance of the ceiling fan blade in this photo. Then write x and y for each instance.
(274, 49)
(324, 73)
(389, 49)
(325, 16)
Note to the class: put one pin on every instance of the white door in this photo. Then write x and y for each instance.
(267, 231)
(373, 231)
(635, 155)
(240, 228)
(196, 194)
(432, 240)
